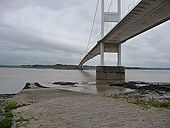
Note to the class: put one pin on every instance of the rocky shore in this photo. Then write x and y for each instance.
(138, 89)
(147, 90)
(64, 109)
(65, 83)
(73, 109)
(3, 97)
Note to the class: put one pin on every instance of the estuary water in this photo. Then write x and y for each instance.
(12, 80)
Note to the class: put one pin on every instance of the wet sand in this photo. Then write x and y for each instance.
(54, 108)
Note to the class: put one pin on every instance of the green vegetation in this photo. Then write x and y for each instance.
(7, 122)
(21, 121)
(8, 106)
(115, 96)
(144, 103)
(149, 103)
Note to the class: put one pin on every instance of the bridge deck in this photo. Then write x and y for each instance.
(146, 15)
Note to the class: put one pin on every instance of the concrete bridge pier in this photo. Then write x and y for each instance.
(110, 74)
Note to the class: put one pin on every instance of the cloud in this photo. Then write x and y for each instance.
(55, 31)
(37, 28)
(150, 49)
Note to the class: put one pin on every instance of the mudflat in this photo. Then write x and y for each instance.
(52, 108)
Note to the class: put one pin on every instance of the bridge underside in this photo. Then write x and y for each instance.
(146, 15)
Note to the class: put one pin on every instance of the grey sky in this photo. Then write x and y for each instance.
(55, 31)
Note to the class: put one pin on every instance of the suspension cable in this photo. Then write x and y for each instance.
(92, 27)
(107, 11)
(110, 5)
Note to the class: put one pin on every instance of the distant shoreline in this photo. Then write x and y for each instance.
(57, 66)
(71, 67)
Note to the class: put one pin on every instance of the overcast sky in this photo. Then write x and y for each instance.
(57, 31)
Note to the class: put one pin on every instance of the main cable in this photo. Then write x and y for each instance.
(110, 6)
(92, 27)
(107, 11)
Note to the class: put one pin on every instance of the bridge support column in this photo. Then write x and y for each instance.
(102, 54)
(119, 55)
(110, 74)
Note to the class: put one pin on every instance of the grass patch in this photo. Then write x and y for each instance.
(6, 123)
(115, 96)
(144, 103)
(149, 103)
(21, 119)
(21, 122)
(9, 105)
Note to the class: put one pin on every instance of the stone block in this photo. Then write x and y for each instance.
(110, 74)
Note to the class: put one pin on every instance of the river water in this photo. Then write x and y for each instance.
(12, 80)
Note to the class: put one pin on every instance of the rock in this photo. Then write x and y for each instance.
(40, 86)
(27, 86)
(116, 84)
(65, 83)
(36, 84)
(147, 90)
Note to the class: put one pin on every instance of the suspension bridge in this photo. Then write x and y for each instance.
(145, 15)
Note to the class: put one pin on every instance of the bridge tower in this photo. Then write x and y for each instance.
(110, 17)
(110, 74)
